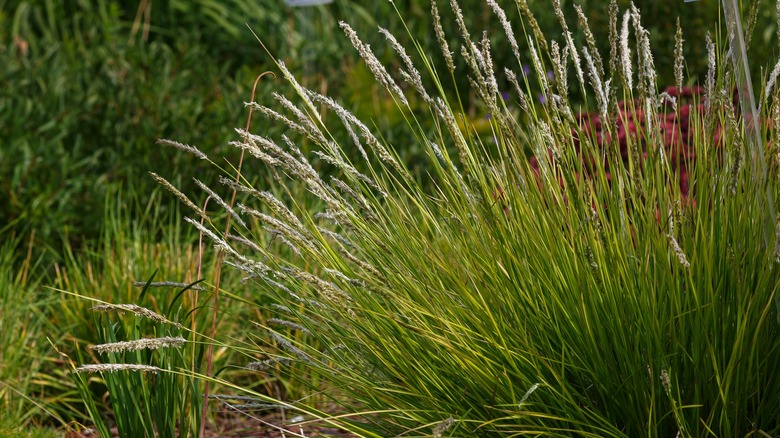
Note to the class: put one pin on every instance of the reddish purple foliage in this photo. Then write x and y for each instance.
(674, 127)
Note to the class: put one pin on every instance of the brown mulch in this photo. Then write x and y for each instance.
(231, 424)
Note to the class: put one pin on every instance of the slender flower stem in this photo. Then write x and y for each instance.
(220, 259)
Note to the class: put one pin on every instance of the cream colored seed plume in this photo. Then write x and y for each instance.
(136, 310)
(302, 238)
(218, 199)
(373, 64)
(288, 324)
(666, 97)
(665, 381)
(218, 241)
(646, 72)
(184, 147)
(770, 84)
(487, 68)
(182, 197)
(679, 59)
(272, 114)
(348, 119)
(287, 345)
(442, 427)
(538, 68)
(379, 149)
(613, 37)
(625, 51)
(527, 394)
(510, 34)
(349, 191)
(246, 242)
(111, 367)
(710, 83)
(522, 6)
(326, 288)
(595, 82)
(590, 39)
(336, 236)
(441, 37)
(569, 41)
(412, 74)
(678, 252)
(559, 65)
(310, 129)
(445, 113)
(139, 344)
(523, 99)
(300, 90)
(268, 363)
(348, 169)
(464, 32)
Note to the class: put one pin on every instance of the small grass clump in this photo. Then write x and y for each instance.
(584, 292)
(24, 325)
(137, 349)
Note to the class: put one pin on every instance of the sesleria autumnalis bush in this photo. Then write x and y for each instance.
(583, 292)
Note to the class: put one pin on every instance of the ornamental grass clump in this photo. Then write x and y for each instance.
(146, 362)
(556, 278)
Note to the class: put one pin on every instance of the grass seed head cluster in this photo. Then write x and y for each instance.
(587, 294)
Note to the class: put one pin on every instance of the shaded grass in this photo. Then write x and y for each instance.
(24, 327)
(131, 249)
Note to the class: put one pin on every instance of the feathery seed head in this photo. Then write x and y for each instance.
(559, 61)
(112, 367)
(412, 75)
(569, 41)
(288, 324)
(590, 39)
(522, 6)
(595, 82)
(139, 344)
(221, 202)
(166, 284)
(613, 37)
(464, 31)
(287, 345)
(442, 427)
(136, 310)
(441, 37)
(709, 90)
(269, 363)
(770, 84)
(373, 64)
(679, 59)
(184, 147)
(522, 97)
(182, 197)
(510, 34)
(678, 252)
(625, 51)
(665, 381)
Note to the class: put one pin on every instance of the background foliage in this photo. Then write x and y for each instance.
(86, 88)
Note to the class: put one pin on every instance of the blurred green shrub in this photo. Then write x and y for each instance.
(86, 87)
(81, 110)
